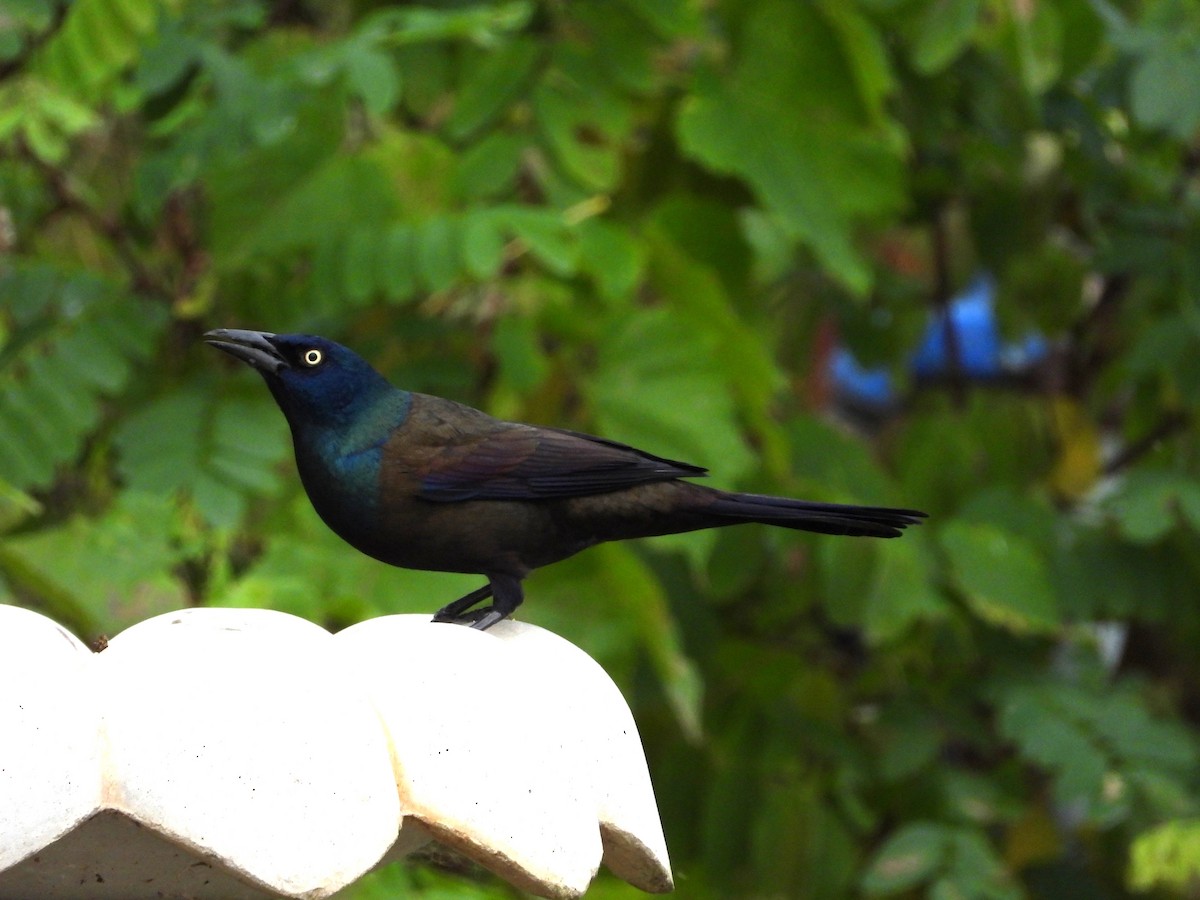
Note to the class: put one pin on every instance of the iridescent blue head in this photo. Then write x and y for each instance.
(317, 383)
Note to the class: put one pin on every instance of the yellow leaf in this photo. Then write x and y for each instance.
(1078, 464)
(1032, 839)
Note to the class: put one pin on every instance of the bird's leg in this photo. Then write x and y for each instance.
(453, 612)
(506, 597)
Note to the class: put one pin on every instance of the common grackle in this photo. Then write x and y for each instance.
(427, 483)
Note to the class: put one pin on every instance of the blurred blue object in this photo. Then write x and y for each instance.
(855, 384)
(1029, 351)
(972, 316)
(981, 355)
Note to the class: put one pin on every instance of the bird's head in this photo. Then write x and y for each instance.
(314, 380)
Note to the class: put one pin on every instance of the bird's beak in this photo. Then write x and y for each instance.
(253, 347)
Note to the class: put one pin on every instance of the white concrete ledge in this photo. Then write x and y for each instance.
(248, 753)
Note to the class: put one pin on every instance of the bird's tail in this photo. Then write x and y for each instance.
(805, 515)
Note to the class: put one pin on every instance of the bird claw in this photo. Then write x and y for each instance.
(479, 619)
(506, 594)
(489, 618)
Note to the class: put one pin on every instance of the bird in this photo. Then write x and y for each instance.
(423, 482)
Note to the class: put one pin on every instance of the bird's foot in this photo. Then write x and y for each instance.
(504, 590)
(489, 618)
(480, 619)
(457, 611)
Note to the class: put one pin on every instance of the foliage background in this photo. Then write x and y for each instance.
(655, 219)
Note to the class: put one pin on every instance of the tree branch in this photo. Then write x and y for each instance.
(955, 377)
(11, 67)
(67, 199)
(1170, 424)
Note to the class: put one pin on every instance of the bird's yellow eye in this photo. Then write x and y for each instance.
(312, 357)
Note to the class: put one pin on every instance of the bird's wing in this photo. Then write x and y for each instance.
(524, 462)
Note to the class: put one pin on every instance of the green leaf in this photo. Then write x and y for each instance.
(1168, 347)
(697, 295)
(372, 75)
(1137, 738)
(866, 55)
(625, 49)
(611, 255)
(908, 738)
(835, 462)
(483, 244)
(217, 450)
(945, 30)
(660, 384)
(976, 870)
(957, 861)
(546, 235)
(908, 858)
(97, 40)
(364, 252)
(976, 798)
(1166, 857)
(437, 252)
(327, 279)
(1150, 502)
(1057, 740)
(847, 574)
(288, 193)
(1036, 43)
(399, 259)
(493, 80)
(1002, 575)
(818, 171)
(1016, 512)
(484, 24)
(47, 116)
(107, 572)
(523, 364)
(641, 596)
(489, 167)
(798, 836)
(670, 19)
(52, 377)
(902, 592)
(167, 59)
(15, 506)
(47, 143)
(733, 560)
(1099, 575)
(585, 152)
(298, 209)
(1095, 743)
(1161, 92)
